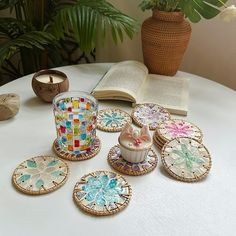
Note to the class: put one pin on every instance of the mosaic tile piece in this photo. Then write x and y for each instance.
(175, 128)
(112, 120)
(40, 175)
(102, 193)
(186, 159)
(150, 114)
(118, 163)
(77, 156)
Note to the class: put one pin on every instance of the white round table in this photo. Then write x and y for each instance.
(159, 206)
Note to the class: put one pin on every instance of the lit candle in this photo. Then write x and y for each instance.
(50, 78)
(48, 83)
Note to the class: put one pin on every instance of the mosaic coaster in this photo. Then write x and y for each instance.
(77, 157)
(186, 159)
(150, 114)
(175, 128)
(102, 193)
(40, 175)
(118, 163)
(112, 120)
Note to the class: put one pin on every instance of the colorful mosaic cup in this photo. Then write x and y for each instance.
(75, 117)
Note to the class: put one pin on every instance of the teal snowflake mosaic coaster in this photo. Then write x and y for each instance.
(112, 120)
(40, 175)
(186, 159)
(102, 193)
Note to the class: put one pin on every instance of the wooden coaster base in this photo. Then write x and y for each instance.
(77, 157)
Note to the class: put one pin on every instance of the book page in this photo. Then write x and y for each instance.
(167, 91)
(127, 77)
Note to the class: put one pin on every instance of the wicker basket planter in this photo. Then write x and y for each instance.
(165, 37)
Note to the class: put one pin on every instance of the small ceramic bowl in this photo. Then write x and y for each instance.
(134, 155)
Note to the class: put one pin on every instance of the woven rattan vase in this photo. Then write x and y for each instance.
(165, 37)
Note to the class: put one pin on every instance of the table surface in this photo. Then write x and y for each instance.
(160, 205)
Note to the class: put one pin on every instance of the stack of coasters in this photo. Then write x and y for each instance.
(186, 159)
(40, 175)
(175, 128)
(149, 114)
(102, 193)
(112, 120)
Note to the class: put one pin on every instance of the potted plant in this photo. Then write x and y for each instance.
(166, 34)
(36, 32)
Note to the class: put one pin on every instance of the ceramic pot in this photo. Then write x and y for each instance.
(134, 155)
(165, 38)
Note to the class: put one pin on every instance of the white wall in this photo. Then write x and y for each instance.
(211, 52)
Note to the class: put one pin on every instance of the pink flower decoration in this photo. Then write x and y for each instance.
(137, 138)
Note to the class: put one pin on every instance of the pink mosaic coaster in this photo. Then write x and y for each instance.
(176, 128)
(150, 114)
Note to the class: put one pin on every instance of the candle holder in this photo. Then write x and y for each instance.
(76, 118)
(48, 83)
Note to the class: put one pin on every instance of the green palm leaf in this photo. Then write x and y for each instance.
(196, 9)
(11, 27)
(83, 18)
(34, 39)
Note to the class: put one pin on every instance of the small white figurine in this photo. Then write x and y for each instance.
(135, 144)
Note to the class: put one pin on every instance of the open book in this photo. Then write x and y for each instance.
(130, 81)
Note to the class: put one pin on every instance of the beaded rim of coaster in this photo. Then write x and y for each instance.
(113, 129)
(160, 135)
(107, 212)
(181, 178)
(43, 190)
(131, 171)
(137, 122)
(79, 157)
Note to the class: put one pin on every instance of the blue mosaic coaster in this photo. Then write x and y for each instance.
(112, 120)
(102, 193)
(40, 175)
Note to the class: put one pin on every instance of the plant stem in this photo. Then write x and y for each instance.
(223, 4)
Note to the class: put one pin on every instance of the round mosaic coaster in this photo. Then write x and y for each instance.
(102, 193)
(186, 159)
(150, 114)
(112, 120)
(40, 175)
(175, 128)
(118, 163)
(77, 157)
